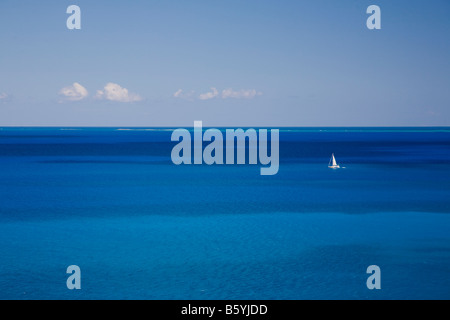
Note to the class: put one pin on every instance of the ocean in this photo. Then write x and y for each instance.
(111, 201)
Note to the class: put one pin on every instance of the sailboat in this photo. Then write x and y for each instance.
(332, 164)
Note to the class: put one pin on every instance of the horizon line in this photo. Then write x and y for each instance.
(212, 126)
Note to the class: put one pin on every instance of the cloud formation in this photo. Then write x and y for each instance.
(4, 98)
(209, 95)
(226, 93)
(242, 94)
(114, 92)
(180, 94)
(75, 92)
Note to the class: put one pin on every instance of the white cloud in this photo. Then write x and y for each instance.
(180, 94)
(115, 92)
(227, 93)
(75, 92)
(4, 97)
(242, 94)
(209, 95)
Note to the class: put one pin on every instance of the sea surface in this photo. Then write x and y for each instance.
(110, 201)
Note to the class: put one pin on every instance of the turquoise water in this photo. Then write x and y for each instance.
(139, 227)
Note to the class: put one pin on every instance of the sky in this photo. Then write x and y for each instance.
(227, 63)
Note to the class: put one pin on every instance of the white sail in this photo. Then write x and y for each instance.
(333, 164)
(333, 161)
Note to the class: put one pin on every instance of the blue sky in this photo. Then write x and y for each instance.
(237, 63)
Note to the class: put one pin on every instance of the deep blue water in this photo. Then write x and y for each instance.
(139, 227)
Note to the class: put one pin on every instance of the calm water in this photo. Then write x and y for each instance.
(139, 227)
